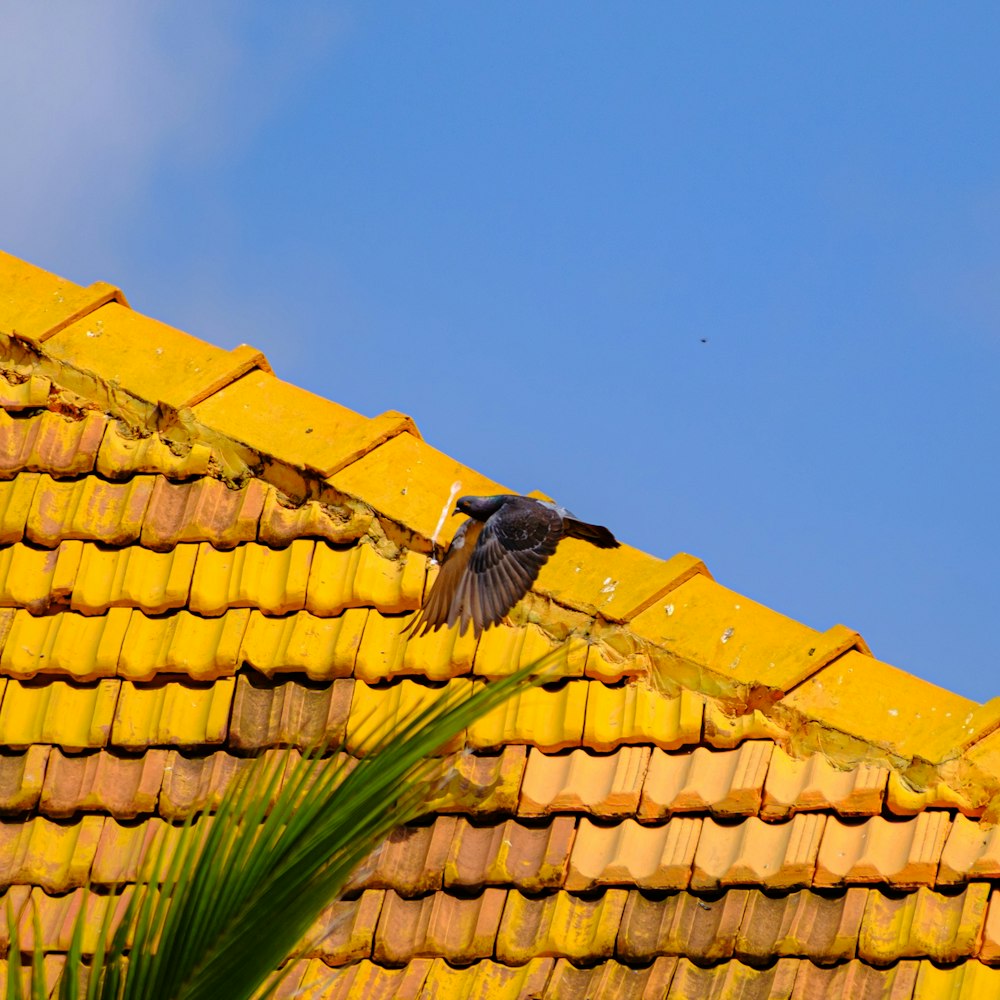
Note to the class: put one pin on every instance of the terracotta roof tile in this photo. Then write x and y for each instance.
(560, 925)
(637, 713)
(55, 856)
(923, 924)
(315, 980)
(321, 648)
(32, 392)
(88, 508)
(901, 852)
(177, 713)
(16, 498)
(610, 980)
(728, 782)
(52, 968)
(50, 442)
(581, 781)
(21, 777)
(344, 931)
(73, 716)
(125, 787)
(606, 664)
(121, 455)
(972, 850)
(288, 713)
(549, 718)
(484, 783)
(817, 926)
(411, 860)
(855, 979)
(439, 925)
(126, 850)
(192, 784)
(281, 522)
(71, 645)
(531, 858)
(626, 853)
(202, 510)
(989, 947)
(814, 783)
(681, 924)
(724, 730)
(778, 855)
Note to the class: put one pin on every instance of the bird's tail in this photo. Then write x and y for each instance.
(593, 533)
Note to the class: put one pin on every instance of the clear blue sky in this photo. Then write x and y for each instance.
(723, 277)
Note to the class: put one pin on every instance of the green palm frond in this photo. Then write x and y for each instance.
(221, 907)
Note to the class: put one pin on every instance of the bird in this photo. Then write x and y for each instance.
(495, 557)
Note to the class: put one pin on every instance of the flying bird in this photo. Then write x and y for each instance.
(495, 557)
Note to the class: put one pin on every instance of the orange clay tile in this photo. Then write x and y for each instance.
(55, 856)
(504, 649)
(16, 499)
(903, 799)
(989, 948)
(177, 713)
(127, 852)
(27, 395)
(653, 857)
(560, 925)
(73, 716)
(307, 431)
(923, 924)
(881, 704)
(288, 712)
(972, 850)
(582, 781)
(125, 787)
(550, 718)
(21, 777)
(313, 979)
(439, 925)
(52, 969)
(37, 303)
(360, 577)
(134, 577)
(121, 456)
(411, 860)
(281, 522)
(193, 784)
(343, 932)
(50, 442)
(88, 508)
(727, 783)
(378, 711)
(611, 980)
(152, 361)
(794, 785)
(321, 648)
(821, 927)
(414, 485)
(484, 979)
(203, 649)
(610, 666)
(251, 576)
(777, 855)
(680, 924)
(64, 644)
(484, 782)
(856, 979)
(903, 852)
(638, 713)
(970, 981)
(724, 729)
(202, 510)
(615, 583)
(531, 858)
(703, 625)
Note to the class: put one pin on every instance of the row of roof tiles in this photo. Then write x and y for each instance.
(643, 782)
(627, 926)
(572, 853)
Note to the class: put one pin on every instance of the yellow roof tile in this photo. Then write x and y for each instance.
(343, 931)
(50, 442)
(35, 578)
(360, 577)
(153, 582)
(733, 979)
(177, 713)
(281, 522)
(414, 485)
(551, 719)
(34, 303)
(972, 850)
(969, 981)
(881, 704)
(21, 777)
(55, 856)
(305, 430)
(637, 713)
(504, 649)
(73, 716)
(122, 455)
(153, 361)
(437, 655)
(28, 394)
(725, 728)
(486, 979)
(322, 648)
(103, 782)
(615, 583)
(16, 496)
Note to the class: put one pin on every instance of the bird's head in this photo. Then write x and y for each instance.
(478, 507)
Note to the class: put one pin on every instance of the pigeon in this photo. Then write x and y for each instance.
(495, 557)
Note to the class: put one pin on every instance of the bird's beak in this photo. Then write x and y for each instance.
(456, 512)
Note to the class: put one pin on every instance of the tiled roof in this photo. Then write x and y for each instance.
(200, 562)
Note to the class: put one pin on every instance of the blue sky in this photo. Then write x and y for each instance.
(723, 277)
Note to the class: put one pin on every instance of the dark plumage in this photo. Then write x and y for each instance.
(496, 556)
